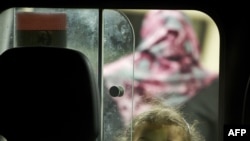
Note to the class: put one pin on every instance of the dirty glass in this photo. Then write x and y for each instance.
(80, 31)
(175, 60)
(118, 41)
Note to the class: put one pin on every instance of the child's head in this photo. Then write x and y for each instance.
(161, 124)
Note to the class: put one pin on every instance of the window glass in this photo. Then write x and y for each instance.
(63, 27)
(118, 42)
(176, 64)
(146, 56)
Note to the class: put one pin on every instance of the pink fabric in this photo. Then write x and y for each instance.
(166, 65)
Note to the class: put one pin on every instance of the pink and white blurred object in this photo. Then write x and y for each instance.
(166, 65)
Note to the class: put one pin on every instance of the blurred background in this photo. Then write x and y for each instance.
(204, 26)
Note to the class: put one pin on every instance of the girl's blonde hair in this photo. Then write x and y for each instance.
(162, 115)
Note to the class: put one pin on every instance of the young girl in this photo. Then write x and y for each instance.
(161, 123)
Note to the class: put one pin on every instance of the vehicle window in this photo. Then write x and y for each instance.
(139, 58)
(176, 63)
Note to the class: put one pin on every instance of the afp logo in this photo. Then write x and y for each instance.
(239, 132)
